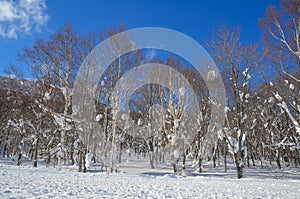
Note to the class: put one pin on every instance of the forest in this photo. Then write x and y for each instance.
(167, 121)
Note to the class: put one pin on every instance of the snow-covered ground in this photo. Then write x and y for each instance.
(135, 180)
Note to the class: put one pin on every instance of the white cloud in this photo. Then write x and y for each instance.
(7, 11)
(21, 16)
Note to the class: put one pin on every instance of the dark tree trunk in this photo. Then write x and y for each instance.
(174, 167)
(82, 153)
(183, 163)
(248, 161)
(214, 162)
(151, 153)
(19, 159)
(278, 161)
(296, 157)
(120, 153)
(239, 170)
(200, 164)
(84, 167)
(151, 158)
(239, 165)
(80, 160)
(215, 156)
(48, 160)
(252, 158)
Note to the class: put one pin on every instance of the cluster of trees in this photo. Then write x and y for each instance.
(262, 112)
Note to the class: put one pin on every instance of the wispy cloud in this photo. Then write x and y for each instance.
(21, 16)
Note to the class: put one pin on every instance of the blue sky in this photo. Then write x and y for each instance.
(196, 19)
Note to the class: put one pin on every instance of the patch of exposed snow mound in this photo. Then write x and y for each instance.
(99, 117)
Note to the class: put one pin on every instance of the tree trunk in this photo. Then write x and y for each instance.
(48, 160)
(278, 158)
(239, 170)
(296, 157)
(82, 153)
(19, 159)
(174, 167)
(106, 138)
(239, 165)
(248, 161)
(151, 157)
(183, 165)
(63, 144)
(36, 147)
(84, 162)
(200, 165)
(225, 155)
(80, 160)
(120, 153)
(151, 153)
(214, 161)
(215, 155)
(72, 151)
(113, 146)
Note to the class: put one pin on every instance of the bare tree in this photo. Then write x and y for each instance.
(55, 63)
(281, 31)
(237, 63)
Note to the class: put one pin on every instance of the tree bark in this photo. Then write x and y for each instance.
(225, 155)
(239, 165)
(239, 170)
(19, 159)
(278, 158)
(183, 164)
(200, 165)
(36, 147)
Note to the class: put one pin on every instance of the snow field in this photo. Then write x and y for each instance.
(28, 182)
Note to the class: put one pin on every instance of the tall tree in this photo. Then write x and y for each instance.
(55, 62)
(236, 62)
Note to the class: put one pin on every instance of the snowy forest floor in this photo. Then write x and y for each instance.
(135, 179)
